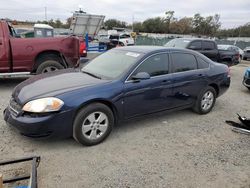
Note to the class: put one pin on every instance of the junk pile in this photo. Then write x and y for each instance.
(31, 177)
(242, 127)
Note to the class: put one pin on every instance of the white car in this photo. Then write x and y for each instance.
(126, 39)
(122, 39)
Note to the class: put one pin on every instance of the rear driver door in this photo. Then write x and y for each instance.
(188, 78)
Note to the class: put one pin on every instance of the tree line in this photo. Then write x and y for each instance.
(196, 25)
(169, 24)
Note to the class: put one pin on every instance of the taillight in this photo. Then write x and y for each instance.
(82, 48)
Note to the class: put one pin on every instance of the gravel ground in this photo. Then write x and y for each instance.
(179, 149)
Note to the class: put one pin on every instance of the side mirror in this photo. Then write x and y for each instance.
(141, 76)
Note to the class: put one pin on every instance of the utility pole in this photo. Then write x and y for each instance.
(45, 9)
(133, 17)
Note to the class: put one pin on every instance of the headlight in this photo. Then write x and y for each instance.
(49, 104)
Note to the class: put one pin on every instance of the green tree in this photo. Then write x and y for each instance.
(169, 17)
(109, 24)
(182, 26)
(154, 25)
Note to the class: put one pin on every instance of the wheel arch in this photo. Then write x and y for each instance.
(48, 53)
(102, 101)
(216, 88)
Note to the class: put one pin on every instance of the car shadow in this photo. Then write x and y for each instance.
(150, 120)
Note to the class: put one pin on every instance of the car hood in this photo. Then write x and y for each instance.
(52, 84)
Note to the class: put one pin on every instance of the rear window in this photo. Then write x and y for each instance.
(183, 62)
(207, 45)
(114, 37)
(124, 36)
(195, 45)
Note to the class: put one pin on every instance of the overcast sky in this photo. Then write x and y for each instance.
(233, 12)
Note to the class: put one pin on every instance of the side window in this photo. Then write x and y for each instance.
(202, 64)
(207, 45)
(183, 62)
(235, 49)
(196, 45)
(155, 65)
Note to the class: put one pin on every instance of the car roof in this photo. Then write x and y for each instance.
(151, 49)
(224, 45)
(193, 39)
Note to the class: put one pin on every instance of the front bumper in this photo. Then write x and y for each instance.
(51, 125)
(246, 82)
(246, 56)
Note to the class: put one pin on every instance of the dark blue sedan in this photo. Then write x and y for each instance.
(118, 85)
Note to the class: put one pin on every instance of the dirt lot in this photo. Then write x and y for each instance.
(179, 149)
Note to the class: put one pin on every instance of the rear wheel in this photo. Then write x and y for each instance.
(93, 124)
(205, 102)
(48, 66)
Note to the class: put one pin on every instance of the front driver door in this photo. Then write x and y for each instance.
(151, 95)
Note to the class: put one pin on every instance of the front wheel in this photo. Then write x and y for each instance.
(205, 102)
(93, 124)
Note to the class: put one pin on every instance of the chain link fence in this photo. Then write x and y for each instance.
(160, 41)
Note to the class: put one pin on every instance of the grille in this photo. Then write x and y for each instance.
(14, 107)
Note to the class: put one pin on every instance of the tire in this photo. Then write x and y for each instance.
(88, 117)
(204, 104)
(48, 66)
(248, 88)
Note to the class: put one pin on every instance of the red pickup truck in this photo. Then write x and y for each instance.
(22, 56)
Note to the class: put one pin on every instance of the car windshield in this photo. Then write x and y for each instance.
(179, 43)
(111, 64)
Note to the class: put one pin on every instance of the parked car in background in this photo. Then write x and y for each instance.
(241, 52)
(207, 47)
(35, 55)
(120, 84)
(246, 55)
(126, 40)
(19, 31)
(115, 40)
(229, 53)
(246, 79)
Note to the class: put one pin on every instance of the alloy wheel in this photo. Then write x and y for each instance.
(49, 69)
(95, 125)
(207, 100)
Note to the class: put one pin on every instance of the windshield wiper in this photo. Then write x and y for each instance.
(91, 74)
